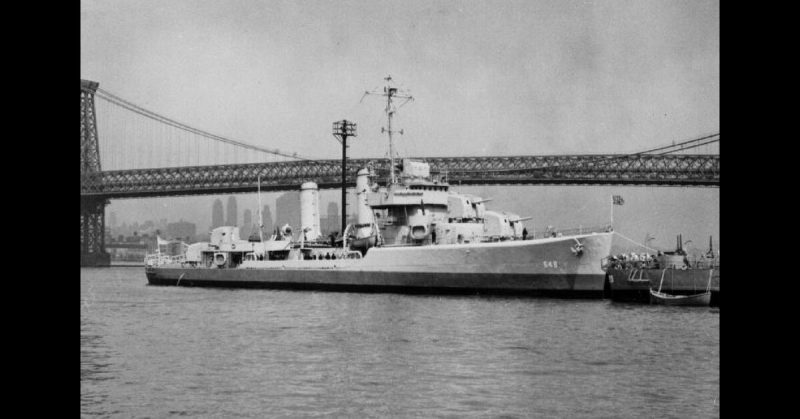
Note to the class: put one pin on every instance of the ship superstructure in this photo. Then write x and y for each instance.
(417, 210)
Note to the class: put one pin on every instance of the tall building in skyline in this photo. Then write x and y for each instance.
(181, 229)
(247, 219)
(332, 220)
(247, 223)
(112, 219)
(231, 212)
(266, 216)
(287, 210)
(217, 218)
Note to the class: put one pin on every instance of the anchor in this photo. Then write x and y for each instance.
(577, 250)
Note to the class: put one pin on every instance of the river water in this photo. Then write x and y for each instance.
(149, 351)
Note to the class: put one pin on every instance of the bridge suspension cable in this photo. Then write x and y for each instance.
(683, 146)
(591, 160)
(116, 100)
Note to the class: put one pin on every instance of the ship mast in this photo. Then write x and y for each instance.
(260, 215)
(389, 113)
(391, 92)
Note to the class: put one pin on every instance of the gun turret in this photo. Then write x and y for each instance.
(516, 220)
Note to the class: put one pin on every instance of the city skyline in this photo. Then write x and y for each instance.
(220, 217)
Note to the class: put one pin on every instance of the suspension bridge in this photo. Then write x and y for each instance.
(145, 154)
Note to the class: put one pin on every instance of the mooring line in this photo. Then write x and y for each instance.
(634, 242)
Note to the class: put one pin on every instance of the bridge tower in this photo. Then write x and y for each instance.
(93, 209)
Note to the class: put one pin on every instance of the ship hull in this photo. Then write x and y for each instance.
(547, 267)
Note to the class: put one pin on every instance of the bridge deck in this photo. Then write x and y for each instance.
(641, 169)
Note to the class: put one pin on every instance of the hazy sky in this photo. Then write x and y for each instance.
(489, 78)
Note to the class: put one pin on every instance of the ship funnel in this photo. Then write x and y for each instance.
(363, 210)
(309, 210)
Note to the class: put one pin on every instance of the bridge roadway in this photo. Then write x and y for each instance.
(612, 169)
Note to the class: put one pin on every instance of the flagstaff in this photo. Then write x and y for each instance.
(615, 200)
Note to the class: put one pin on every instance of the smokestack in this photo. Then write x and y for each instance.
(363, 210)
(309, 210)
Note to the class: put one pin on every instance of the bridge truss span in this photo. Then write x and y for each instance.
(592, 169)
(641, 169)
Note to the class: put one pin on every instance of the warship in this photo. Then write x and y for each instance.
(413, 234)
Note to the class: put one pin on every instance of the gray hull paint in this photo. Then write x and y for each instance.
(542, 267)
(402, 282)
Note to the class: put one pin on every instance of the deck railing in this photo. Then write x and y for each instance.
(570, 232)
(157, 259)
(607, 262)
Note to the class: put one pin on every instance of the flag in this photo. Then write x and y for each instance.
(161, 242)
(617, 199)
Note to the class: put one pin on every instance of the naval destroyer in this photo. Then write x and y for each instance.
(413, 234)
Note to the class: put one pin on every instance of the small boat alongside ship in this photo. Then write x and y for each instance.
(687, 282)
(413, 234)
(663, 298)
(702, 299)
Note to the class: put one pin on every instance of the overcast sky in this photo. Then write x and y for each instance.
(489, 77)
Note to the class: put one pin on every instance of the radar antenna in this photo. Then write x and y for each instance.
(391, 92)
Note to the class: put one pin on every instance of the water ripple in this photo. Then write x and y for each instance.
(168, 352)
